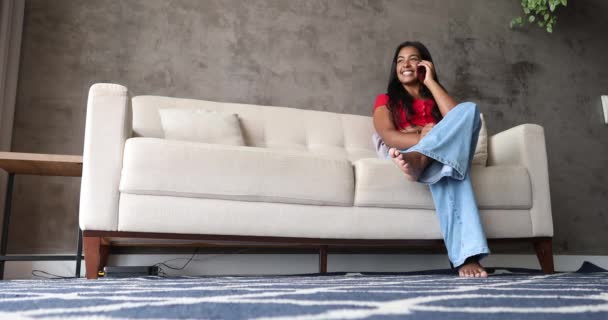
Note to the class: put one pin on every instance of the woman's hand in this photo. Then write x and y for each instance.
(411, 129)
(445, 103)
(426, 130)
(421, 131)
(430, 71)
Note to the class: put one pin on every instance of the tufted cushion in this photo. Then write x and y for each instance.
(317, 132)
(481, 150)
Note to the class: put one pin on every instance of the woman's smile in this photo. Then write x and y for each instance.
(407, 73)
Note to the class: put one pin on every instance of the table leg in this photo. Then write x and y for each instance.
(78, 253)
(6, 221)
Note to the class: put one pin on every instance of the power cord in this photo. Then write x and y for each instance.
(164, 263)
(162, 272)
(48, 275)
(160, 265)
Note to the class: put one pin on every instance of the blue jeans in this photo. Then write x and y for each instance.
(451, 144)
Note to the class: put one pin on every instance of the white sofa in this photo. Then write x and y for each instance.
(304, 177)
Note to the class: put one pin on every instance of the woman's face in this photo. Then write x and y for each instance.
(407, 61)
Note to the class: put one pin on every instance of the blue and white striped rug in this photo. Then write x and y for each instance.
(438, 295)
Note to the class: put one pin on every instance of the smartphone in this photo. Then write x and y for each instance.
(421, 71)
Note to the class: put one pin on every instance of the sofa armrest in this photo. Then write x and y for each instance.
(108, 126)
(524, 145)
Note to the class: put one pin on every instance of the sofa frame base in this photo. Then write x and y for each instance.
(97, 245)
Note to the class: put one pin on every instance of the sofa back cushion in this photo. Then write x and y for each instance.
(324, 133)
(480, 157)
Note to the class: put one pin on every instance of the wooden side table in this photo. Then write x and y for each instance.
(41, 165)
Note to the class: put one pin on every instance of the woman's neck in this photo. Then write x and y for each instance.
(413, 90)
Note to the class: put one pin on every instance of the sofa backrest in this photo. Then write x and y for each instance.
(324, 133)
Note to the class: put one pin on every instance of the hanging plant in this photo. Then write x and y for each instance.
(540, 11)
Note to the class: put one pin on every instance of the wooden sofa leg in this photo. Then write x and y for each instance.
(544, 252)
(92, 247)
(323, 259)
(104, 252)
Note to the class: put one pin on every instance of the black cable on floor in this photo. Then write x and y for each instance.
(52, 276)
(161, 272)
(164, 263)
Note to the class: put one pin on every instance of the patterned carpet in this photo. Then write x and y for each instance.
(430, 295)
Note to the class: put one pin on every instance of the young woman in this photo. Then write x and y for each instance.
(432, 140)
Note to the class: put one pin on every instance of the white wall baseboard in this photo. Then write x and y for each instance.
(267, 264)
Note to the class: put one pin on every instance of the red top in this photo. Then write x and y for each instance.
(422, 111)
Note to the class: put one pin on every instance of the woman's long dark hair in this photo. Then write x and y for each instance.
(399, 98)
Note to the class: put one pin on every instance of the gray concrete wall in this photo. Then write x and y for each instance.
(326, 55)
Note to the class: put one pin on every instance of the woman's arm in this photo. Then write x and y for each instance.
(445, 103)
(387, 131)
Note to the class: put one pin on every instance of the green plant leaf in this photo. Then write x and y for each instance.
(540, 11)
(517, 22)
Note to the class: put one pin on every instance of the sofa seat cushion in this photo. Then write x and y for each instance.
(164, 214)
(379, 183)
(154, 166)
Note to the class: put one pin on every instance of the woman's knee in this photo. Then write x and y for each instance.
(470, 107)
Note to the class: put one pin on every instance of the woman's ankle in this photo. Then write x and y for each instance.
(472, 259)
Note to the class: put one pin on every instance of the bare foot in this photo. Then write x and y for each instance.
(412, 163)
(472, 269)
